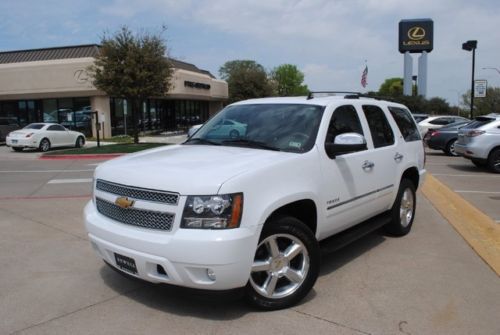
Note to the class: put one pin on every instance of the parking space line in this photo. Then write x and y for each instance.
(44, 171)
(478, 192)
(465, 175)
(478, 229)
(69, 181)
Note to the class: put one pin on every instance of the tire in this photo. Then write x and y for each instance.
(44, 145)
(291, 278)
(479, 164)
(80, 142)
(403, 210)
(234, 133)
(17, 149)
(450, 148)
(494, 161)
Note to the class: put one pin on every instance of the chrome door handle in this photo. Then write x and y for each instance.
(367, 165)
(398, 157)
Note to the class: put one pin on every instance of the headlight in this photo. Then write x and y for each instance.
(213, 211)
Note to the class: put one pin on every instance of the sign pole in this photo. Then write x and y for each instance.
(472, 84)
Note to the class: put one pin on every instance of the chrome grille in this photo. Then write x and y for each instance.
(136, 217)
(138, 193)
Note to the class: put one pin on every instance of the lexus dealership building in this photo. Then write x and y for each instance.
(51, 85)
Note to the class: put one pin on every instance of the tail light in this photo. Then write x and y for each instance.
(474, 133)
(435, 133)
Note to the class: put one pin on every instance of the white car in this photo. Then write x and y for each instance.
(44, 136)
(193, 129)
(251, 211)
(438, 121)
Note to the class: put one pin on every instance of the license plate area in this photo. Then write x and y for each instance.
(14, 141)
(126, 263)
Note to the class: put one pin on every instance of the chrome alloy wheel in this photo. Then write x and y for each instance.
(45, 145)
(280, 266)
(406, 207)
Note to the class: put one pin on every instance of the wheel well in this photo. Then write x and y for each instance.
(45, 138)
(491, 151)
(303, 210)
(412, 175)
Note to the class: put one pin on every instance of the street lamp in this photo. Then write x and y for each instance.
(492, 68)
(471, 46)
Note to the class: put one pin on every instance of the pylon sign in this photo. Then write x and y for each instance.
(416, 35)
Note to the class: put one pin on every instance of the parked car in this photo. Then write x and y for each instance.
(444, 138)
(225, 128)
(6, 126)
(44, 136)
(193, 130)
(250, 212)
(479, 141)
(420, 117)
(438, 121)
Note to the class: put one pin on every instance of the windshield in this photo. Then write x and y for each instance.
(34, 126)
(283, 127)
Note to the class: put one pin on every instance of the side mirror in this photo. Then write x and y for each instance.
(345, 143)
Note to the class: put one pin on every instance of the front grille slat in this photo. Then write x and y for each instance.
(138, 193)
(135, 216)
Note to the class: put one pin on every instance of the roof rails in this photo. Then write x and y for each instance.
(311, 93)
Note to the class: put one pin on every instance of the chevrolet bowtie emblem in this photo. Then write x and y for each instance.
(124, 202)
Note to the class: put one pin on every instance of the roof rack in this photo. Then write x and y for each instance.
(311, 93)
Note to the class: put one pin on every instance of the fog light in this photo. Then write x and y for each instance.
(211, 274)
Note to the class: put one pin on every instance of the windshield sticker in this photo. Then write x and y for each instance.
(297, 145)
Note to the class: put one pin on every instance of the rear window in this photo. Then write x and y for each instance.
(34, 126)
(405, 123)
(479, 122)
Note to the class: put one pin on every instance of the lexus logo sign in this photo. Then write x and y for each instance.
(416, 36)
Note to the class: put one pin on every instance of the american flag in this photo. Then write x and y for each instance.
(364, 77)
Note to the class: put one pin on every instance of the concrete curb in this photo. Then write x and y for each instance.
(478, 229)
(89, 156)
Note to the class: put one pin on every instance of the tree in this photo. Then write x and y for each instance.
(246, 80)
(391, 87)
(133, 67)
(482, 106)
(288, 81)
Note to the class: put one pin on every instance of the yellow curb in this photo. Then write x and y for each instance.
(479, 230)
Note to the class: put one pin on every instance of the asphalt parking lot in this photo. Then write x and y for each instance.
(51, 282)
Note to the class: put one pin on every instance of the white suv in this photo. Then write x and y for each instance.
(222, 211)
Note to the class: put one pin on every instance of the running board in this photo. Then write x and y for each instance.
(347, 236)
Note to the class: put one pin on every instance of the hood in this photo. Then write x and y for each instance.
(187, 169)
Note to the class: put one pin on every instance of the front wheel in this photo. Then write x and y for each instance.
(403, 210)
(286, 264)
(80, 142)
(494, 161)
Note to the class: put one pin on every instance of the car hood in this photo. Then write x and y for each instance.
(187, 169)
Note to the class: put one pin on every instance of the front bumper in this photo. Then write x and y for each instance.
(21, 142)
(184, 254)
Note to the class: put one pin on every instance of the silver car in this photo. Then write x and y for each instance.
(479, 141)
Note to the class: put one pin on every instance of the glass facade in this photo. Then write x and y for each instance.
(70, 112)
(157, 115)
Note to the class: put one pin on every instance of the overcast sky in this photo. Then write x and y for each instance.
(328, 40)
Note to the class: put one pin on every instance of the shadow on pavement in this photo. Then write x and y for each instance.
(221, 305)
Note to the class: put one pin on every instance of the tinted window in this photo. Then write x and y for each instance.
(479, 122)
(34, 126)
(441, 121)
(406, 126)
(344, 120)
(56, 127)
(382, 134)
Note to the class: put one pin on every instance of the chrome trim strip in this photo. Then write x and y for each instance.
(360, 196)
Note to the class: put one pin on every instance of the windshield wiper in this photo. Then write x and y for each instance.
(202, 141)
(250, 143)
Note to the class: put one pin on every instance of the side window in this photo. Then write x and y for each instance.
(54, 127)
(440, 121)
(406, 126)
(382, 134)
(344, 120)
